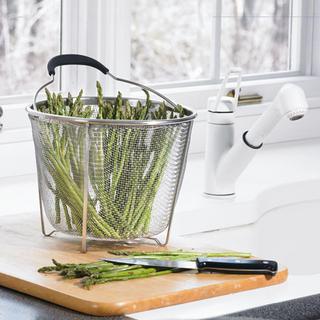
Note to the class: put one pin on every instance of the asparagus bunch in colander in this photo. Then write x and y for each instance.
(126, 165)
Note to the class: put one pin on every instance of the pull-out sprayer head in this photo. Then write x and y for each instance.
(291, 102)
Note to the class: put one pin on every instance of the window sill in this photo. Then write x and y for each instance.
(196, 96)
(17, 126)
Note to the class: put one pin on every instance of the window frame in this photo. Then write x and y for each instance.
(300, 50)
(117, 22)
(267, 84)
(195, 94)
(112, 18)
(17, 135)
(110, 23)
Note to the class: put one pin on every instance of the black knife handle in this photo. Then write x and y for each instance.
(238, 266)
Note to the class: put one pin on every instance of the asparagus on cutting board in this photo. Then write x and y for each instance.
(100, 272)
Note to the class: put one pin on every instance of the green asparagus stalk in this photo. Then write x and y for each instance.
(179, 254)
(128, 275)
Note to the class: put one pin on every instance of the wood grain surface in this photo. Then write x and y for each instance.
(23, 250)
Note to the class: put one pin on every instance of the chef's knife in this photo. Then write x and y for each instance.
(221, 265)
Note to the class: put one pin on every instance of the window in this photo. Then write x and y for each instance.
(173, 41)
(180, 47)
(169, 44)
(256, 36)
(29, 36)
(190, 40)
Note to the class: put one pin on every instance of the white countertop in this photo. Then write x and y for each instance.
(266, 183)
(294, 287)
(273, 172)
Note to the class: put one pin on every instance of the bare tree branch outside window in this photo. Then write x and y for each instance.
(255, 35)
(29, 36)
(171, 39)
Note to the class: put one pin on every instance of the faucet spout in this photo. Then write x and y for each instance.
(227, 158)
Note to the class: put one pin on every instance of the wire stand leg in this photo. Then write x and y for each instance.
(43, 227)
(85, 191)
(158, 242)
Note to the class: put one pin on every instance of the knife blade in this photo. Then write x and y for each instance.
(220, 265)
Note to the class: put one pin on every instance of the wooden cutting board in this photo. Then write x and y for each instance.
(23, 250)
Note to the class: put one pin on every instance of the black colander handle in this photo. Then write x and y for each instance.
(74, 59)
(77, 59)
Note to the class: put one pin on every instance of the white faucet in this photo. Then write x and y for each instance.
(227, 156)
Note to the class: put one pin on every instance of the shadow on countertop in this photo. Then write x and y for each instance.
(306, 308)
(16, 306)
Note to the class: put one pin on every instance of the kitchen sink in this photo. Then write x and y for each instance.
(288, 234)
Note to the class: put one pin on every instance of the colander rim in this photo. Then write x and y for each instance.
(191, 115)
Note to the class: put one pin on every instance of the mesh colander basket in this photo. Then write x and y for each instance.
(109, 179)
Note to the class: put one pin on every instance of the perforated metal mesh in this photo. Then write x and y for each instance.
(134, 173)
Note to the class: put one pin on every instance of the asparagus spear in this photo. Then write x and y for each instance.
(129, 275)
(179, 254)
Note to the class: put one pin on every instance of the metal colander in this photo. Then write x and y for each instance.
(109, 179)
